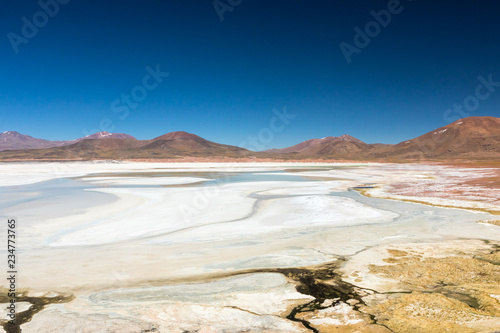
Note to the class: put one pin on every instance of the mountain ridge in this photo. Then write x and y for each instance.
(104, 145)
(467, 138)
(13, 140)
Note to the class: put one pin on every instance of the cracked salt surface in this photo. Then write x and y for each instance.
(110, 245)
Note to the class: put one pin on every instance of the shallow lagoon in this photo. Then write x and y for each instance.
(95, 233)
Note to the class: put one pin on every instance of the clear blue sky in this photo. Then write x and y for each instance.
(225, 77)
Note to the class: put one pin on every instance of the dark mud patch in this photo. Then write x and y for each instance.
(37, 305)
(322, 282)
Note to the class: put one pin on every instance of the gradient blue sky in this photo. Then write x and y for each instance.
(226, 77)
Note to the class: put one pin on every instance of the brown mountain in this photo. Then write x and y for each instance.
(473, 137)
(107, 135)
(187, 144)
(170, 145)
(331, 146)
(11, 140)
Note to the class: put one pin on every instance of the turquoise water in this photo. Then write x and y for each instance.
(269, 176)
(71, 191)
(50, 198)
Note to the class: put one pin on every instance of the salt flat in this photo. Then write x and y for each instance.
(193, 246)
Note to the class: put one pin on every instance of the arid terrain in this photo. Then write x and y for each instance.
(255, 247)
(468, 139)
(182, 234)
(232, 166)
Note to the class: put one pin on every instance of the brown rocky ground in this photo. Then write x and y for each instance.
(459, 293)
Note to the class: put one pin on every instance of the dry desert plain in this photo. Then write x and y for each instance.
(253, 247)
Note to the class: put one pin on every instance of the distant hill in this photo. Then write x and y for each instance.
(187, 144)
(469, 138)
(11, 140)
(332, 146)
(326, 145)
(473, 138)
(107, 135)
(170, 145)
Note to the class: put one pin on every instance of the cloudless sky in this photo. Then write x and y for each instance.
(226, 77)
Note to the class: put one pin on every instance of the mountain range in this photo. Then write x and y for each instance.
(104, 145)
(473, 138)
(12, 140)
